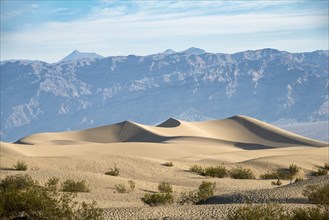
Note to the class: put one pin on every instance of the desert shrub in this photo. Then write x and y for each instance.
(241, 173)
(293, 170)
(52, 184)
(320, 172)
(314, 213)
(20, 165)
(19, 182)
(259, 212)
(158, 199)
(120, 188)
(188, 198)
(23, 198)
(169, 164)
(218, 171)
(165, 187)
(205, 190)
(326, 166)
(277, 212)
(113, 172)
(270, 175)
(276, 183)
(131, 185)
(318, 194)
(197, 169)
(75, 186)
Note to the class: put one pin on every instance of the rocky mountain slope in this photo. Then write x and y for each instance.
(271, 85)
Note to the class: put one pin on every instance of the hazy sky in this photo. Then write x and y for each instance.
(49, 30)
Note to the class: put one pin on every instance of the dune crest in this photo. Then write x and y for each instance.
(238, 131)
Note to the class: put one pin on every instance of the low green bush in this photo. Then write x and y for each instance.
(218, 171)
(23, 198)
(20, 165)
(157, 199)
(270, 175)
(75, 186)
(52, 184)
(197, 169)
(165, 187)
(293, 170)
(320, 172)
(318, 194)
(205, 190)
(113, 172)
(242, 173)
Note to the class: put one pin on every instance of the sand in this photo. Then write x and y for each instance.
(139, 151)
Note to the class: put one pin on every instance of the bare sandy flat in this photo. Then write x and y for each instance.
(139, 151)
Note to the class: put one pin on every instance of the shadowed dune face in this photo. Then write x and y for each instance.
(170, 123)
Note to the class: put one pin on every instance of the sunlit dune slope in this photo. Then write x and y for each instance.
(238, 131)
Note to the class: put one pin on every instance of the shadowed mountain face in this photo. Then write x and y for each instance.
(267, 84)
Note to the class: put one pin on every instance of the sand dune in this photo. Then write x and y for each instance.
(140, 151)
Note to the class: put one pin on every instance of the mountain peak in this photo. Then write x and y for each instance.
(77, 55)
(194, 51)
(169, 51)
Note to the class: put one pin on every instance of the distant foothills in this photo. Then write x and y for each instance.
(87, 90)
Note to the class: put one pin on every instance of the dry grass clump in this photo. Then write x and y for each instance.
(52, 184)
(165, 187)
(113, 172)
(241, 173)
(205, 190)
(219, 172)
(120, 188)
(156, 199)
(320, 172)
(71, 185)
(20, 165)
(169, 164)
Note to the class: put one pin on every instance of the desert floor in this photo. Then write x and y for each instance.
(140, 151)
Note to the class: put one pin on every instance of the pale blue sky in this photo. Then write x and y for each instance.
(49, 30)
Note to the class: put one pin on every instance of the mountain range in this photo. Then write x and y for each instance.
(87, 90)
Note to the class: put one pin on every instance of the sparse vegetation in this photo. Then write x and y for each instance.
(169, 164)
(270, 175)
(20, 165)
(276, 183)
(75, 186)
(113, 172)
(155, 199)
(23, 198)
(218, 171)
(165, 187)
(326, 166)
(285, 174)
(320, 172)
(120, 188)
(264, 212)
(241, 173)
(318, 194)
(197, 169)
(131, 185)
(52, 184)
(205, 190)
